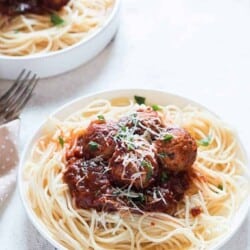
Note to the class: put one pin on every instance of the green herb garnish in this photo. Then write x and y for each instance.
(130, 143)
(220, 187)
(162, 155)
(141, 197)
(101, 117)
(16, 31)
(134, 119)
(164, 177)
(156, 107)
(149, 168)
(167, 137)
(131, 146)
(97, 192)
(205, 141)
(124, 135)
(123, 128)
(139, 99)
(93, 145)
(61, 141)
(56, 20)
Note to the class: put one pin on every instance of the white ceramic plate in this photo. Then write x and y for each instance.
(152, 96)
(61, 61)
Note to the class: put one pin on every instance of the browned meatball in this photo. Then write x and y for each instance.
(149, 118)
(98, 140)
(134, 167)
(76, 151)
(143, 120)
(89, 186)
(176, 149)
(163, 198)
(15, 7)
(54, 4)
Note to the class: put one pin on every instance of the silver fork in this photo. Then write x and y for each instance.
(15, 98)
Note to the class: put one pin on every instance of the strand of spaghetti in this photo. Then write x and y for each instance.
(77, 240)
(185, 232)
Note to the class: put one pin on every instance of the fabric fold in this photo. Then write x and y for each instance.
(9, 138)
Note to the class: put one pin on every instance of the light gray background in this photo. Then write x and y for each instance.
(198, 49)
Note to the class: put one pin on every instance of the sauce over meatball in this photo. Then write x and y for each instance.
(143, 121)
(15, 7)
(87, 180)
(98, 139)
(134, 167)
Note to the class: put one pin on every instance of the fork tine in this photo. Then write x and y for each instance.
(17, 96)
(15, 85)
(13, 98)
(27, 97)
(20, 88)
(23, 99)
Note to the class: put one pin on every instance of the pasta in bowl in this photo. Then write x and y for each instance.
(63, 36)
(135, 169)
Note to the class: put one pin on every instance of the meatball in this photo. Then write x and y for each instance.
(143, 120)
(14, 7)
(176, 149)
(89, 186)
(98, 140)
(149, 118)
(159, 199)
(76, 151)
(165, 197)
(54, 4)
(134, 167)
(73, 173)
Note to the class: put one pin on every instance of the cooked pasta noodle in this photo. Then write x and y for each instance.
(30, 34)
(218, 187)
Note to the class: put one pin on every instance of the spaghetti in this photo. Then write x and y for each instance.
(218, 186)
(29, 34)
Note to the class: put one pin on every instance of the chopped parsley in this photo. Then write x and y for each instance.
(93, 145)
(97, 192)
(130, 146)
(16, 31)
(134, 119)
(164, 177)
(130, 143)
(126, 136)
(220, 187)
(130, 195)
(141, 197)
(156, 107)
(149, 168)
(122, 133)
(205, 141)
(123, 128)
(56, 20)
(162, 154)
(101, 117)
(116, 192)
(139, 99)
(61, 141)
(167, 137)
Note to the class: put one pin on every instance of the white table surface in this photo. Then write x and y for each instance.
(198, 49)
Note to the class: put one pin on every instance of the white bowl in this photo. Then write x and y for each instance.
(58, 62)
(153, 96)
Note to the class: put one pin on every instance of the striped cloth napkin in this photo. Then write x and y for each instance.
(9, 136)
